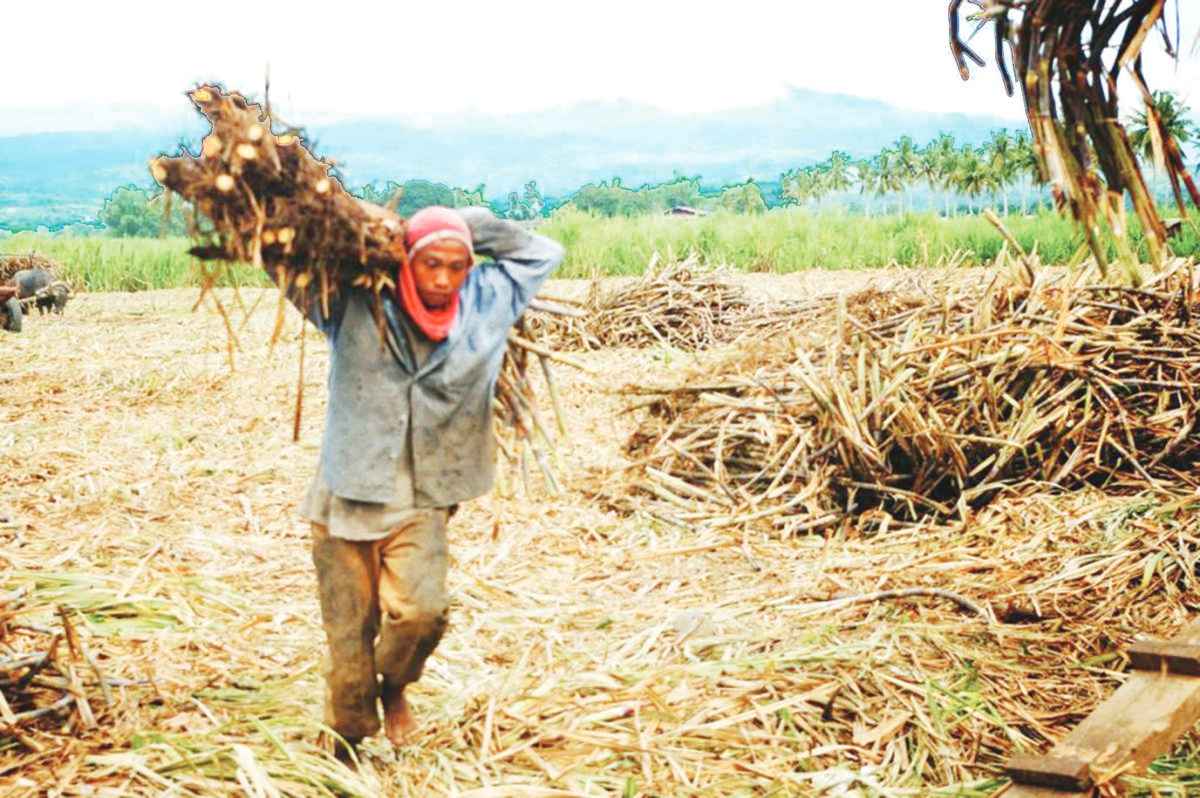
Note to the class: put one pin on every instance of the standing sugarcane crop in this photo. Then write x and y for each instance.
(408, 437)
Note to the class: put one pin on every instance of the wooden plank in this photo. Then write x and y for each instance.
(1029, 791)
(1154, 655)
(1049, 771)
(1137, 724)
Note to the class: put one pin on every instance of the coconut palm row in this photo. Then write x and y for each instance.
(957, 172)
(887, 180)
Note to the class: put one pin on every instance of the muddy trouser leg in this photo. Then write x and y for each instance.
(412, 597)
(347, 575)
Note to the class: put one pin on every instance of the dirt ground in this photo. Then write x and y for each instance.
(779, 287)
(150, 486)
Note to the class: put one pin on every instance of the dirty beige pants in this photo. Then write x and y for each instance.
(383, 605)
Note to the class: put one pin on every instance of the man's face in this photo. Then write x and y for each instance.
(439, 270)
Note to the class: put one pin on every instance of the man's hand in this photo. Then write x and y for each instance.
(492, 237)
(475, 217)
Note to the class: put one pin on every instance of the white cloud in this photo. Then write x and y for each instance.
(86, 64)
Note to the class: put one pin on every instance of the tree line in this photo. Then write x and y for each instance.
(954, 177)
(992, 171)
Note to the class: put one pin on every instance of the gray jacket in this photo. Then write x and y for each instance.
(377, 394)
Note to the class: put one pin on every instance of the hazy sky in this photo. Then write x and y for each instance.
(93, 65)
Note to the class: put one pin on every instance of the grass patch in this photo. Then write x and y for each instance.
(125, 264)
(780, 241)
(794, 240)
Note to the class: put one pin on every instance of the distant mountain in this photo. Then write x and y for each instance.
(55, 178)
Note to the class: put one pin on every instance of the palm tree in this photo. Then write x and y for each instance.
(994, 177)
(814, 179)
(928, 169)
(835, 172)
(870, 182)
(1174, 115)
(999, 153)
(970, 175)
(937, 164)
(790, 191)
(907, 159)
(801, 185)
(891, 175)
(1025, 166)
(950, 179)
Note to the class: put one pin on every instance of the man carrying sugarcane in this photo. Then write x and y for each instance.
(408, 437)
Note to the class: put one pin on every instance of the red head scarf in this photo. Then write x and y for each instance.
(424, 228)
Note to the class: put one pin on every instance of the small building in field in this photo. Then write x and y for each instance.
(686, 210)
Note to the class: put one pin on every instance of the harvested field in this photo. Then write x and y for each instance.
(151, 494)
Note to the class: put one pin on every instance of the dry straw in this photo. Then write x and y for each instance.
(590, 653)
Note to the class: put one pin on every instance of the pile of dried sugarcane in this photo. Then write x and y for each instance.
(48, 679)
(680, 303)
(925, 405)
(1068, 58)
(564, 324)
(274, 204)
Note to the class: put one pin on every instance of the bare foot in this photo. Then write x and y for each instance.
(398, 721)
(345, 752)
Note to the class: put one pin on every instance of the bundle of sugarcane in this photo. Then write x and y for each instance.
(272, 203)
(520, 432)
(1068, 57)
(885, 297)
(11, 264)
(683, 304)
(922, 405)
(564, 324)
